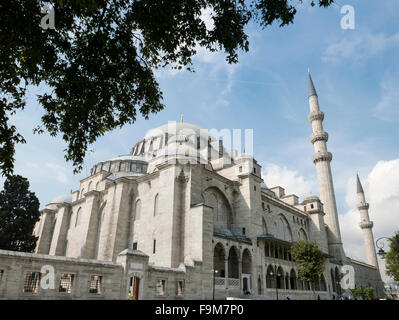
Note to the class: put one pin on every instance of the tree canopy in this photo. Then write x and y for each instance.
(98, 61)
(19, 211)
(310, 260)
(392, 257)
(364, 293)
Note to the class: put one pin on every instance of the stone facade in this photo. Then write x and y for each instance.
(182, 217)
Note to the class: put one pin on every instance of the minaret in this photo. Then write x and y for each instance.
(366, 225)
(321, 159)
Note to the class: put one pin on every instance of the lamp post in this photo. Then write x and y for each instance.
(275, 278)
(214, 273)
(381, 251)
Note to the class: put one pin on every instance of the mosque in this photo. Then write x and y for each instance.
(184, 217)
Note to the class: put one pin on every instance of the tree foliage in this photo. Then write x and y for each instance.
(98, 62)
(392, 258)
(310, 260)
(19, 211)
(363, 293)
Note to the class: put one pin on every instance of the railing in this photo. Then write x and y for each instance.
(232, 283)
(219, 282)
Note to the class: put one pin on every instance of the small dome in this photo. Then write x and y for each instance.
(263, 186)
(311, 197)
(244, 156)
(63, 198)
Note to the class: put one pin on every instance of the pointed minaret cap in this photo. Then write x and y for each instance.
(312, 90)
(359, 185)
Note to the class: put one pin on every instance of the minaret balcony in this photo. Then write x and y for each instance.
(363, 206)
(322, 156)
(317, 115)
(366, 225)
(319, 136)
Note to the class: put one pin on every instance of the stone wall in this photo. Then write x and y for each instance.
(16, 265)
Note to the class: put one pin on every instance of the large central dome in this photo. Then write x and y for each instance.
(173, 128)
(167, 143)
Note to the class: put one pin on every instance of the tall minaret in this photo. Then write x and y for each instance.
(366, 225)
(321, 159)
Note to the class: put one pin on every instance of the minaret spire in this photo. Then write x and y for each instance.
(322, 159)
(359, 188)
(366, 225)
(312, 90)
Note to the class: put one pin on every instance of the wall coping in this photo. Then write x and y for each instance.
(27, 255)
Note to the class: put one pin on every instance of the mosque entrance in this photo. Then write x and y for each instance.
(246, 285)
(134, 288)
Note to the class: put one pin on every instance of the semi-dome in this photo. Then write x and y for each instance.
(128, 157)
(124, 165)
(62, 198)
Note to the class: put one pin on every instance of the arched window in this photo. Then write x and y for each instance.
(82, 193)
(98, 185)
(264, 226)
(333, 281)
(221, 210)
(233, 263)
(78, 217)
(284, 230)
(280, 278)
(218, 260)
(302, 235)
(270, 280)
(287, 281)
(138, 209)
(293, 285)
(267, 253)
(90, 185)
(246, 262)
(337, 280)
(156, 205)
(323, 286)
(213, 202)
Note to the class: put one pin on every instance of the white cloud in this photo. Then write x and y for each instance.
(290, 180)
(59, 171)
(359, 46)
(388, 107)
(381, 188)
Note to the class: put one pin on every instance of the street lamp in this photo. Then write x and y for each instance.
(275, 278)
(214, 273)
(381, 251)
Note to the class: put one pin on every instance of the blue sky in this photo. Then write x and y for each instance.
(356, 74)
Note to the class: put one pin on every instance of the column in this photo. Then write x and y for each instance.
(226, 272)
